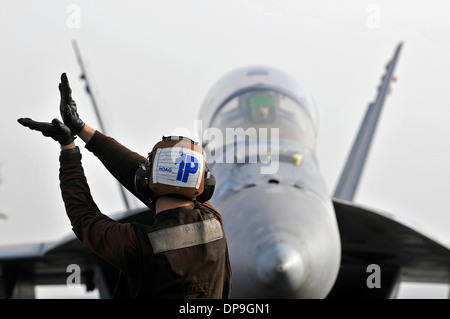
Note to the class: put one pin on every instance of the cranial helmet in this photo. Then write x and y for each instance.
(176, 166)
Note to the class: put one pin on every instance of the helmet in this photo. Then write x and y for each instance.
(262, 105)
(176, 166)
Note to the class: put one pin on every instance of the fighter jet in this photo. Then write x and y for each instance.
(282, 231)
(288, 236)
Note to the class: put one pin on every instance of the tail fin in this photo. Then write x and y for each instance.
(351, 174)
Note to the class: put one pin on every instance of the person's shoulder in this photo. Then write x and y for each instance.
(207, 207)
(141, 228)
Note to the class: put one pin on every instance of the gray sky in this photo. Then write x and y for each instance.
(151, 61)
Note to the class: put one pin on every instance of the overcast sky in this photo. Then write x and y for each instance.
(153, 62)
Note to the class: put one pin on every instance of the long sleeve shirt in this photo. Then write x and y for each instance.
(96, 231)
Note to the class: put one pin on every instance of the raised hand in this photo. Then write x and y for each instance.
(56, 130)
(68, 107)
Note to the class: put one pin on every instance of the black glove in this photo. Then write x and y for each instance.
(68, 107)
(56, 130)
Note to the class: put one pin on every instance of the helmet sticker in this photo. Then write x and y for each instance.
(177, 166)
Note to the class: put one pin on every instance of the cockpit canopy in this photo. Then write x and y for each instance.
(266, 109)
(261, 97)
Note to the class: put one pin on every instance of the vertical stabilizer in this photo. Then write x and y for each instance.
(351, 175)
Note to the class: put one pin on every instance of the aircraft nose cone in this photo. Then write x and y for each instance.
(281, 266)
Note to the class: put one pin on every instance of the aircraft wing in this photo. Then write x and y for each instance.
(402, 252)
(26, 265)
(375, 238)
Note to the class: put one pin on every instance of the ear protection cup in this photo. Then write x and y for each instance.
(208, 190)
(141, 178)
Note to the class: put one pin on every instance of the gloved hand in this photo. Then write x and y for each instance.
(56, 130)
(68, 107)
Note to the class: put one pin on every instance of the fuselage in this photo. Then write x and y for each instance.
(278, 216)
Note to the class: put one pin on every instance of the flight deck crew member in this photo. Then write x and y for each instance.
(183, 253)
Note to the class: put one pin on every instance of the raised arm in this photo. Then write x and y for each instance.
(121, 162)
(97, 231)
